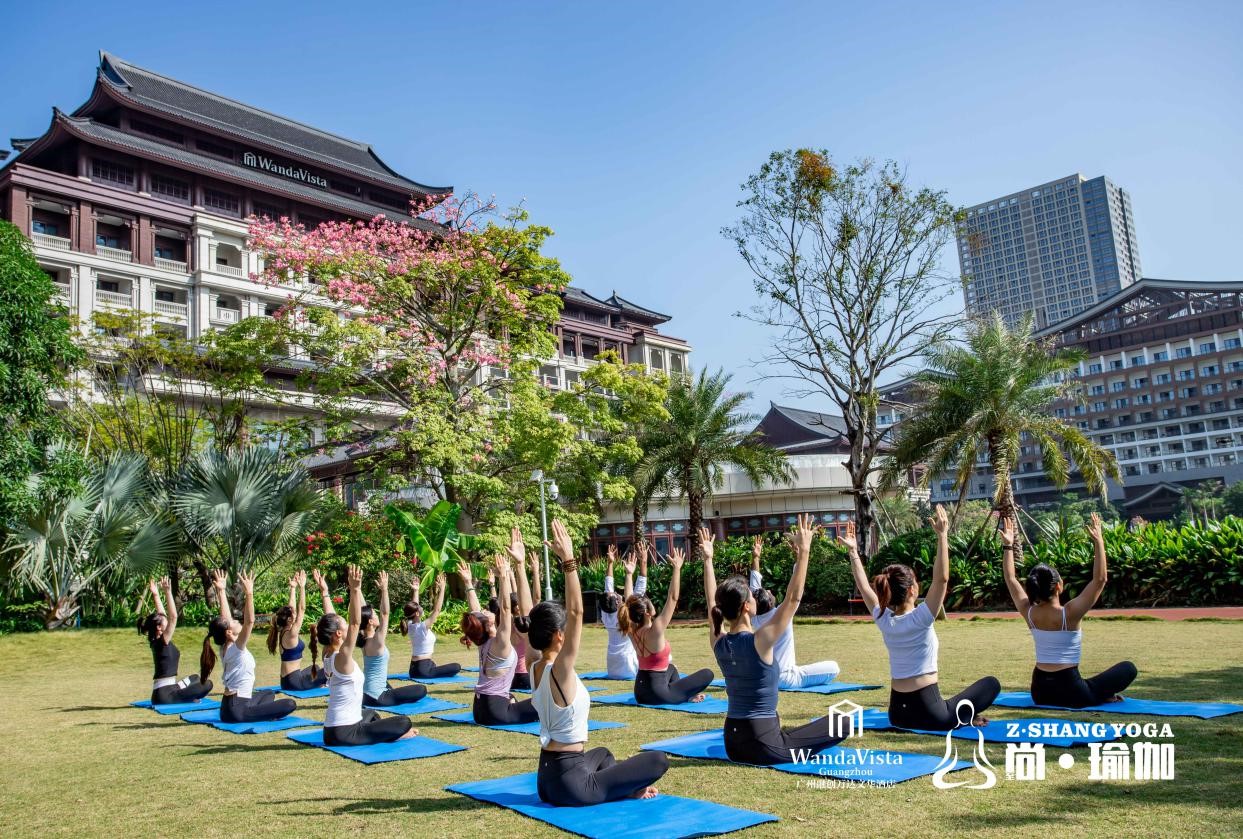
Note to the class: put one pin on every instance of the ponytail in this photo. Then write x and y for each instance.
(718, 617)
(314, 656)
(207, 659)
(325, 628)
(282, 619)
(730, 599)
(893, 585)
(633, 615)
(1041, 583)
(410, 613)
(880, 584)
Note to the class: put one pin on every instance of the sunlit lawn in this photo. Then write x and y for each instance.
(79, 762)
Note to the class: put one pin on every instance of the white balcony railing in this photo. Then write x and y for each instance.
(170, 309)
(113, 298)
(171, 265)
(119, 254)
(227, 270)
(56, 243)
(222, 315)
(64, 292)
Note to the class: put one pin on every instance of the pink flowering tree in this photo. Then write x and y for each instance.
(427, 335)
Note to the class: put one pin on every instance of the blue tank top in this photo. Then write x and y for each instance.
(750, 683)
(294, 653)
(375, 674)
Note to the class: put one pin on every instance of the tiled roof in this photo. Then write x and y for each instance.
(823, 425)
(210, 110)
(120, 139)
(626, 306)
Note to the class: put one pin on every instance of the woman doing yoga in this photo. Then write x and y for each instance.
(657, 682)
(346, 722)
(915, 698)
(422, 639)
(494, 704)
(371, 637)
(747, 655)
(1055, 628)
(159, 627)
(240, 702)
(620, 659)
(285, 634)
(569, 775)
(520, 607)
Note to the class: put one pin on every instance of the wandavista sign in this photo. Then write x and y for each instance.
(294, 173)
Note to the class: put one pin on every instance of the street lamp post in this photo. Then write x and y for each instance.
(538, 477)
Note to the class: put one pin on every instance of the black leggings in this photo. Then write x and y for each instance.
(303, 680)
(502, 710)
(522, 681)
(372, 728)
(664, 687)
(172, 695)
(763, 742)
(925, 710)
(580, 779)
(425, 668)
(1068, 689)
(262, 705)
(396, 696)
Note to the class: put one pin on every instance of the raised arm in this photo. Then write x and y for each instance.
(563, 664)
(518, 555)
(707, 545)
(1018, 594)
(472, 597)
(610, 584)
(354, 617)
(628, 565)
(935, 598)
(757, 550)
(381, 631)
(247, 579)
(676, 557)
(438, 602)
(154, 588)
(1077, 608)
(299, 617)
(537, 590)
(800, 541)
(220, 582)
(323, 592)
(170, 625)
(505, 621)
(847, 538)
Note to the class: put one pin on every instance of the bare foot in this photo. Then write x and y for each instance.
(979, 722)
(646, 792)
(414, 732)
(1117, 697)
(699, 697)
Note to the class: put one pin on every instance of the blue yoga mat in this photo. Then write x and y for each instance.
(1051, 732)
(212, 718)
(662, 817)
(178, 707)
(876, 766)
(438, 680)
(426, 705)
(313, 693)
(710, 705)
(468, 718)
(1152, 707)
(831, 687)
(409, 749)
(604, 674)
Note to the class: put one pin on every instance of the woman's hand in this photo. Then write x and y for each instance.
(757, 546)
(676, 557)
(940, 522)
(151, 587)
(707, 543)
(802, 534)
(464, 572)
(629, 563)
(300, 579)
(517, 550)
(354, 578)
(247, 580)
(382, 580)
(500, 565)
(846, 536)
(1007, 532)
(439, 586)
(219, 580)
(1095, 528)
(319, 580)
(561, 544)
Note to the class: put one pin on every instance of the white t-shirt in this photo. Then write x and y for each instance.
(422, 640)
(783, 649)
(345, 694)
(621, 660)
(239, 671)
(911, 640)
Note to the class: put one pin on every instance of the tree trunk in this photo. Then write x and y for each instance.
(1004, 496)
(636, 513)
(695, 502)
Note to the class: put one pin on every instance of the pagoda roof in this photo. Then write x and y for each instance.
(150, 91)
(632, 308)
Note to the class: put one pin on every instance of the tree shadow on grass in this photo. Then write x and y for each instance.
(203, 749)
(139, 726)
(1222, 685)
(81, 708)
(375, 806)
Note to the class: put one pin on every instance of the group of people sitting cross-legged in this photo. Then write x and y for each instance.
(535, 645)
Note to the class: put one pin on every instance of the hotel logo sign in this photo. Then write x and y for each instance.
(294, 173)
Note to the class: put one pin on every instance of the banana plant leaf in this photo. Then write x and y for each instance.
(433, 539)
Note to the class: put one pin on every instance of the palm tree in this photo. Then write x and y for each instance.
(112, 520)
(988, 396)
(684, 455)
(244, 510)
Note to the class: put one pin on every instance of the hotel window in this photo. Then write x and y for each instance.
(218, 200)
(45, 227)
(170, 188)
(1231, 343)
(675, 363)
(1161, 356)
(1182, 352)
(107, 240)
(165, 296)
(214, 148)
(113, 173)
(656, 360)
(165, 252)
(1209, 347)
(270, 211)
(157, 131)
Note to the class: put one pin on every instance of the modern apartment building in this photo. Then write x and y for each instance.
(1054, 250)
(1161, 387)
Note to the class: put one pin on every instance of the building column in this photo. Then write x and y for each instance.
(83, 279)
(146, 296)
(20, 212)
(86, 228)
(202, 308)
(144, 254)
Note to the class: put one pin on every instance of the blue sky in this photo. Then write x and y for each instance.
(627, 127)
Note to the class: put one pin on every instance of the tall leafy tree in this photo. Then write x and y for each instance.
(36, 351)
(846, 267)
(684, 455)
(986, 397)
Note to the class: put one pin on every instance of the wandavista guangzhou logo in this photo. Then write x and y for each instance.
(294, 173)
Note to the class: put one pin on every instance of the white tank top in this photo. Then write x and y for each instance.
(239, 671)
(345, 694)
(565, 725)
(422, 640)
(1056, 646)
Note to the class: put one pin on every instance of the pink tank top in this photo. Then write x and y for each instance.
(496, 675)
(520, 647)
(657, 660)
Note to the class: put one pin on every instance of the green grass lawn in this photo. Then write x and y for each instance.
(79, 762)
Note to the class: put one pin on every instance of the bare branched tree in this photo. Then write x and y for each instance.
(846, 264)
